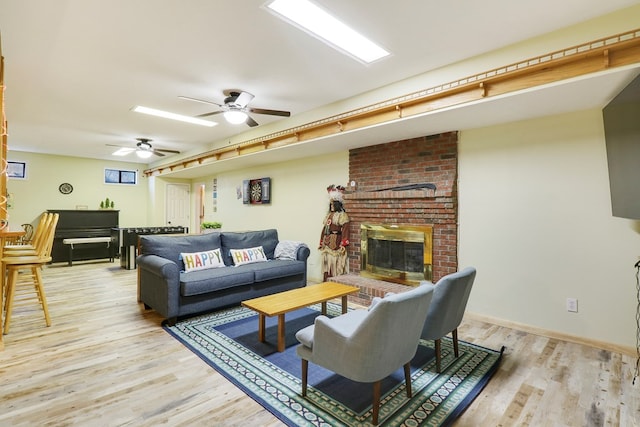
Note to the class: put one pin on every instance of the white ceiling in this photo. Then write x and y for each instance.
(75, 68)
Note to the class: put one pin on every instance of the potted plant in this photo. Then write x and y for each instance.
(107, 204)
(209, 226)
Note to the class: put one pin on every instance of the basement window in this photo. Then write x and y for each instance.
(116, 176)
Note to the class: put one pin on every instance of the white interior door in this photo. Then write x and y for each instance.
(177, 203)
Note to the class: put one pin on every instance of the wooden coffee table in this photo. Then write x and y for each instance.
(281, 303)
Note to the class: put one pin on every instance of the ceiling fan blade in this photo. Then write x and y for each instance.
(199, 100)
(157, 152)
(251, 122)
(270, 112)
(209, 114)
(163, 150)
(243, 99)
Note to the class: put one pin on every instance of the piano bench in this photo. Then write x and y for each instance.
(85, 240)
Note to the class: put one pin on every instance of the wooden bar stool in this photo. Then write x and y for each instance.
(27, 269)
(35, 240)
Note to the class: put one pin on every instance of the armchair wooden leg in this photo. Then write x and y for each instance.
(305, 369)
(455, 341)
(438, 355)
(376, 403)
(407, 378)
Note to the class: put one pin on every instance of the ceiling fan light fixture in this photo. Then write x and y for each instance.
(235, 117)
(144, 154)
(172, 116)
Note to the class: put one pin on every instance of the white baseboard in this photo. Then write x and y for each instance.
(630, 351)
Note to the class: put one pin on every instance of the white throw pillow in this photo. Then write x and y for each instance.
(287, 249)
(248, 255)
(202, 260)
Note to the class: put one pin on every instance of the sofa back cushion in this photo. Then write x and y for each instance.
(268, 239)
(171, 246)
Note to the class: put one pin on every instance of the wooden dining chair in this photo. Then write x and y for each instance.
(23, 270)
(28, 234)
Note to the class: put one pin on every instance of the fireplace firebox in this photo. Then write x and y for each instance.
(396, 253)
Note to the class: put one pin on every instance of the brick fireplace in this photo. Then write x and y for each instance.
(375, 169)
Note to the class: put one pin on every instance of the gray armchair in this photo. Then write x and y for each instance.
(368, 345)
(445, 313)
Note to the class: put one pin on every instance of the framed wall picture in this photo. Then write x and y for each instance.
(256, 191)
(245, 192)
(215, 194)
(17, 170)
(266, 190)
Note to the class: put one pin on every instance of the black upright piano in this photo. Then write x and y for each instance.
(84, 223)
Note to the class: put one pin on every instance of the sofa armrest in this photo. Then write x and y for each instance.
(303, 253)
(159, 284)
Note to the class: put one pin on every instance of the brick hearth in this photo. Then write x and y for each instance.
(369, 288)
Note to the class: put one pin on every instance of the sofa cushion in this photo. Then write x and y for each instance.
(202, 260)
(277, 268)
(268, 239)
(205, 281)
(247, 256)
(171, 246)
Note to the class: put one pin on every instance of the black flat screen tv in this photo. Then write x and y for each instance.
(622, 135)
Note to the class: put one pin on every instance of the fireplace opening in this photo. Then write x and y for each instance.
(396, 253)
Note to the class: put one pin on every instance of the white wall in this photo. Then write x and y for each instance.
(45, 173)
(535, 219)
(299, 200)
(157, 194)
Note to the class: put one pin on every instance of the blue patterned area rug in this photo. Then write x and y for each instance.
(228, 341)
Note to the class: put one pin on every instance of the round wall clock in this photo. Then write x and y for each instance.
(65, 188)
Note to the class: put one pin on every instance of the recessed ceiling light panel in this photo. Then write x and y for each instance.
(173, 116)
(316, 21)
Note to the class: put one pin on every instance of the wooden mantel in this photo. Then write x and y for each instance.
(607, 53)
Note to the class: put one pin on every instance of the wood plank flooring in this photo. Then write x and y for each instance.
(106, 361)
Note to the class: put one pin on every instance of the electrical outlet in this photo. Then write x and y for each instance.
(572, 305)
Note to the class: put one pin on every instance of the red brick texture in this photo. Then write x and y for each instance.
(430, 159)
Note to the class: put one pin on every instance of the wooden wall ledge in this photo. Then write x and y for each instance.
(611, 52)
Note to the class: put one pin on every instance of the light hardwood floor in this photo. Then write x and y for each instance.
(106, 361)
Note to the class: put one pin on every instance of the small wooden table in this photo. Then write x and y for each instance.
(281, 303)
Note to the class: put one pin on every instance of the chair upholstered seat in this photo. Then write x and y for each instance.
(346, 323)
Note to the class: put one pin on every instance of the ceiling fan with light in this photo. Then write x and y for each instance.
(143, 149)
(235, 108)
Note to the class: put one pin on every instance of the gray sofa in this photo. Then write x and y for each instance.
(165, 286)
